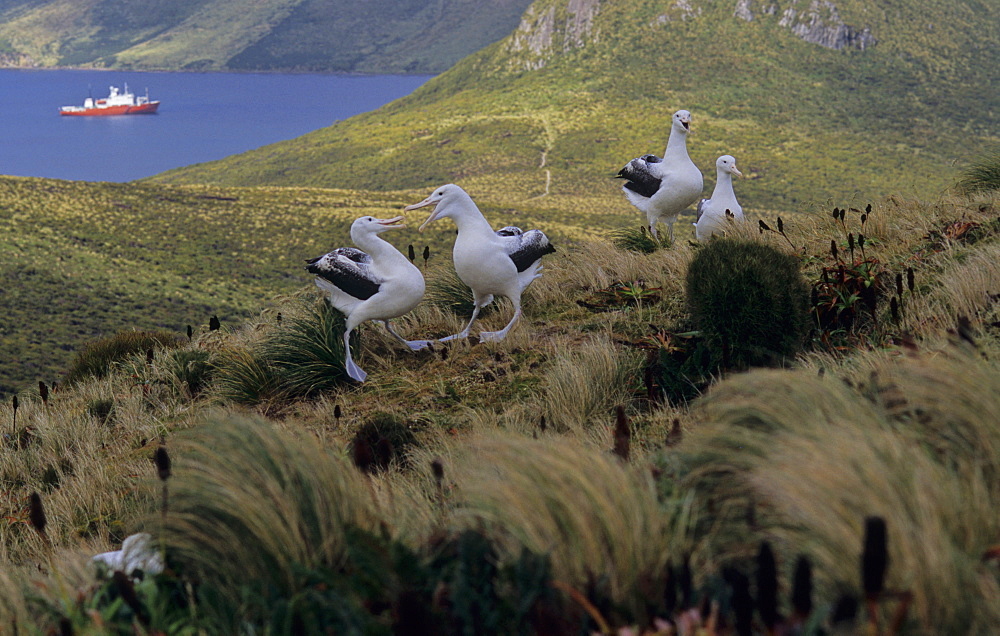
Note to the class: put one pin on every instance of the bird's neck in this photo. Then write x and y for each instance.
(676, 146)
(374, 245)
(724, 184)
(471, 221)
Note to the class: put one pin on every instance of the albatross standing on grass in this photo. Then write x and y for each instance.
(492, 263)
(378, 283)
(712, 212)
(663, 188)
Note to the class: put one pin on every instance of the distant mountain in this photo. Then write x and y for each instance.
(374, 36)
(821, 101)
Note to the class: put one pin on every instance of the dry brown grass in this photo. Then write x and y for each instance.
(595, 516)
(250, 503)
(814, 454)
(917, 445)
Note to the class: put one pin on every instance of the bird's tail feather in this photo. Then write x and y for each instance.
(341, 301)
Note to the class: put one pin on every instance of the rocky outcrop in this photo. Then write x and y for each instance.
(679, 10)
(545, 30)
(820, 24)
(815, 21)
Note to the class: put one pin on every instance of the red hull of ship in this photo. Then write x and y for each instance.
(141, 109)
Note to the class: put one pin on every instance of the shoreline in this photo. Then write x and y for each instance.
(5, 67)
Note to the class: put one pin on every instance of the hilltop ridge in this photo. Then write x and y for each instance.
(378, 36)
(844, 102)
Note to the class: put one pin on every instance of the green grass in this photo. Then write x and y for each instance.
(813, 126)
(498, 501)
(981, 176)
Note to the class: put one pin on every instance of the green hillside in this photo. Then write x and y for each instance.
(559, 105)
(385, 36)
(81, 261)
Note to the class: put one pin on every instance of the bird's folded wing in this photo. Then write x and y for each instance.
(524, 248)
(349, 269)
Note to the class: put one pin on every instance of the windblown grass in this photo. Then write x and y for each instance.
(253, 507)
(982, 176)
(598, 519)
(807, 458)
(583, 386)
(797, 457)
(96, 358)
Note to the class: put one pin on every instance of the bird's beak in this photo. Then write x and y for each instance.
(736, 172)
(687, 124)
(423, 204)
(393, 223)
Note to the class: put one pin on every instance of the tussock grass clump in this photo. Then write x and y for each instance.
(982, 176)
(245, 377)
(599, 521)
(191, 369)
(252, 508)
(638, 239)
(750, 302)
(807, 458)
(299, 357)
(96, 358)
(307, 349)
(584, 384)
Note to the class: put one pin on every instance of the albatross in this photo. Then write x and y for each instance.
(492, 263)
(662, 188)
(712, 213)
(375, 282)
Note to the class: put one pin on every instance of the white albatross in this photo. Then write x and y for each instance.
(375, 282)
(501, 263)
(663, 188)
(713, 213)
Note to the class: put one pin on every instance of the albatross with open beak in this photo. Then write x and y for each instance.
(501, 263)
(663, 188)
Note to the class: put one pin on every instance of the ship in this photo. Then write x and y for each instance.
(116, 103)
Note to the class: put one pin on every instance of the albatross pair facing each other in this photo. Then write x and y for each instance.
(377, 282)
(664, 187)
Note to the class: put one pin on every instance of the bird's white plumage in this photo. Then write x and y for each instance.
(375, 282)
(501, 263)
(663, 188)
(712, 217)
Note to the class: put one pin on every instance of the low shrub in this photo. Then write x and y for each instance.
(749, 301)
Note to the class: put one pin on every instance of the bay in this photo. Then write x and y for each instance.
(202, 117)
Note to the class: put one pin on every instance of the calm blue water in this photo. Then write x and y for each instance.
(202, 117)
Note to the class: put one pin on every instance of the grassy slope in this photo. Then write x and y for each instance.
(318, 35)
(82, 260)
(573, 365)
(809, 125)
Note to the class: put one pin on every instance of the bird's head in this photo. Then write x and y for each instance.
(371, 225)
(445, 200)
(682, 121)
(727, 164)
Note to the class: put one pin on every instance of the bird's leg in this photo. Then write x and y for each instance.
(652, 230)
(354, 371)
(414, 345)
(497, 336)
(465, 332)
